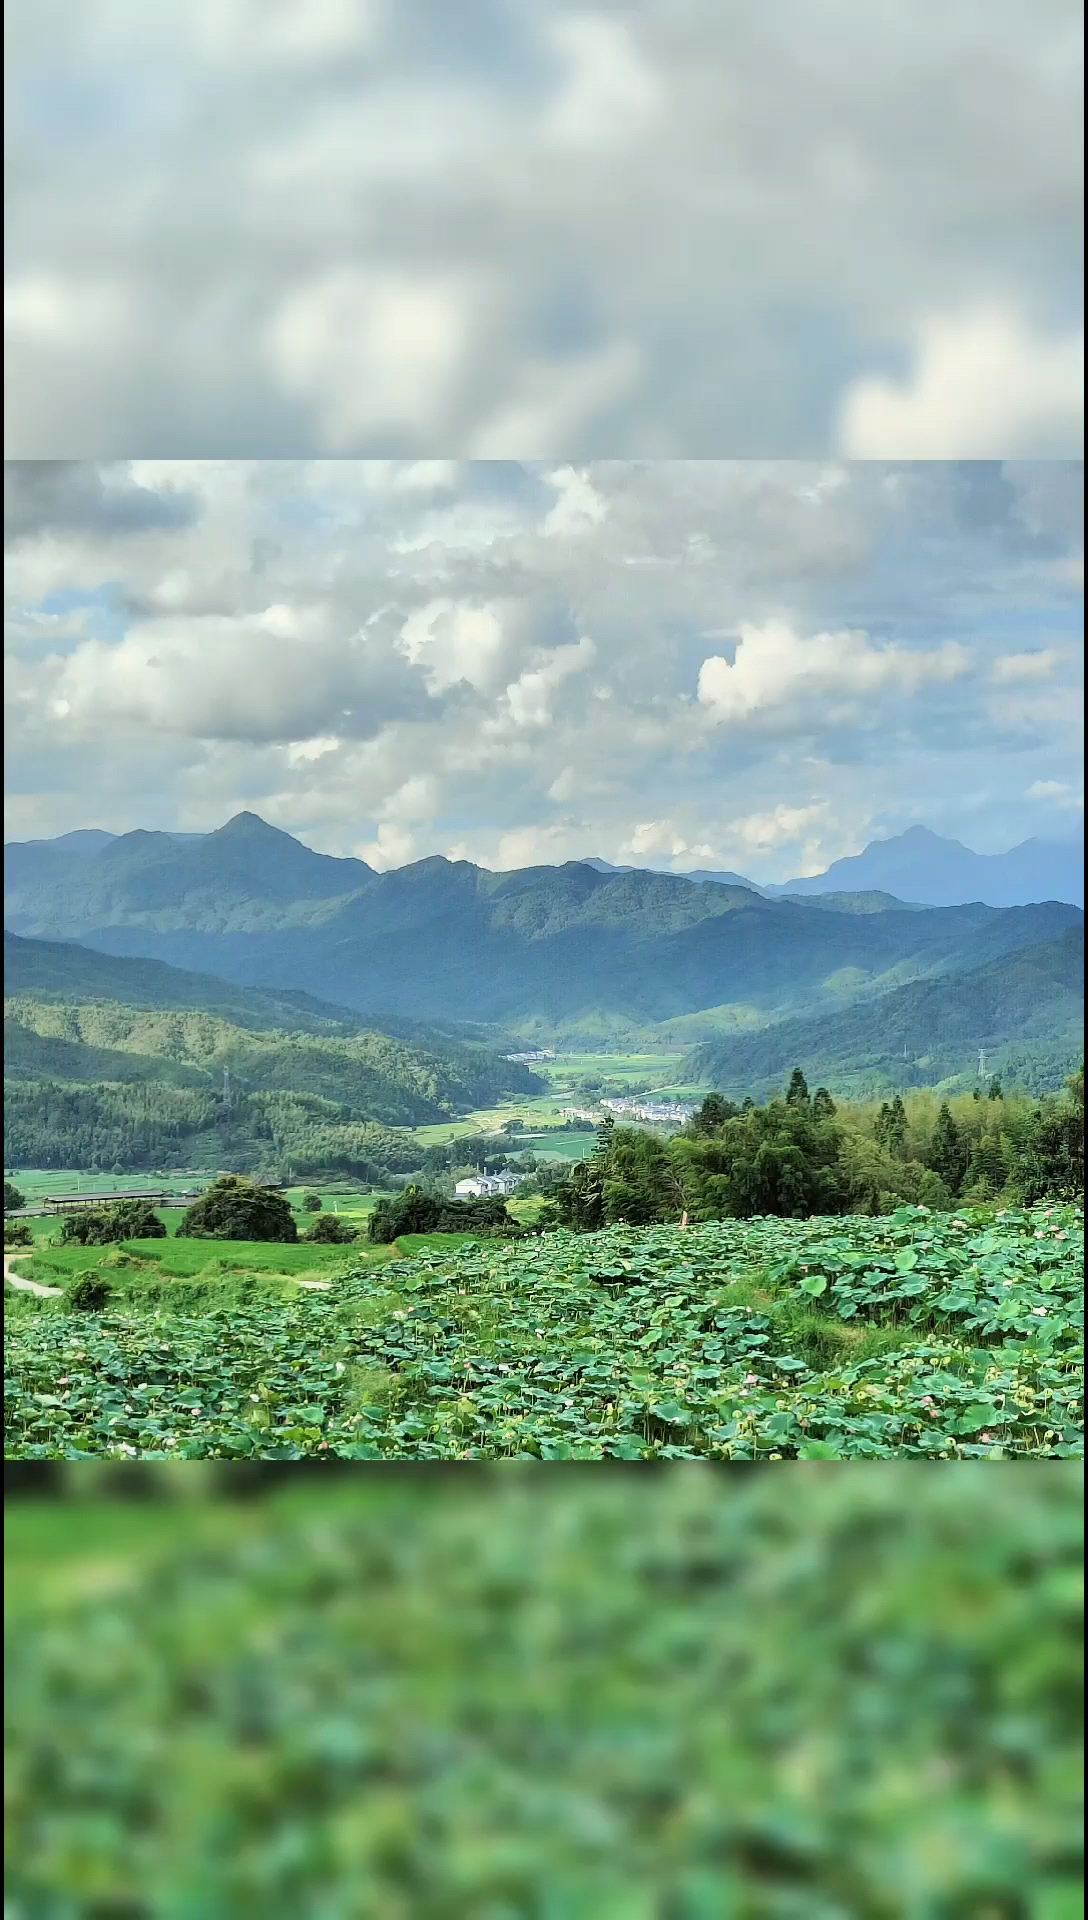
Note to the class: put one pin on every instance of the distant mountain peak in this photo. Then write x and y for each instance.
(249, 826)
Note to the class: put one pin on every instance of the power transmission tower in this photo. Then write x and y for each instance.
(982, 1063)
(226, 1088)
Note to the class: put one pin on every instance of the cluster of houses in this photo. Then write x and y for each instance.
(526, 1059)
(662, 1113)
(489, 1186)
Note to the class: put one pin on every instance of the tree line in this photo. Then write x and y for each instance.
(802, 1154)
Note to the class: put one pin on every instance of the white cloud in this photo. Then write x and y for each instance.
(1011, 668)
(374, 353)
(453, 643)
(774, 668)
(1059, 792)
(984, 385)
(559, 230)
(528, 699)
(401, 657)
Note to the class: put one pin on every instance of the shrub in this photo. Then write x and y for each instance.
(101, 1226)
(331, 1230)
(17, 1234)
(311, 1202)
(415, 1211)
(237, 1209)
(89, 1294)
(13, 1199)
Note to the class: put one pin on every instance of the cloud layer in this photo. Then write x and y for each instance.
(544, 228)
(754, 666)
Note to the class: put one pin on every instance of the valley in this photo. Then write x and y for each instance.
(776, 1177)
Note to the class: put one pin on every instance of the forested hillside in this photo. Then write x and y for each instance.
(1026, 1010)
(200, 1072)
(546, 951)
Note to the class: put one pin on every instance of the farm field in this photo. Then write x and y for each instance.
(937, 1336)
(554, 1697)
(38, 1183)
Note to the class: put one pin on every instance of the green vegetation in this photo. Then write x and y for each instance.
(103, 1226)
(330, 1230)
(416, 1211)
(937, 1336)
(805, 1155)
(1026, 1009)
(97, 1079)
(604, 958)
(564, 1698)
(236, 1209)
(13, 1198)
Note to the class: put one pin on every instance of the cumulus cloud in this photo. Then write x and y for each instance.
(552, 231)
(522, 663)
(774, 668)
(983, 385)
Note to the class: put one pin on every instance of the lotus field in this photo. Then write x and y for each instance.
(929, 1335)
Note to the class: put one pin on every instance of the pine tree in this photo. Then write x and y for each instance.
(797, 1091)
(947, 1155)
(823, 1106)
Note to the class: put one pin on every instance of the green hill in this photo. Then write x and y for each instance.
(120, 1060)
(1025, 1009)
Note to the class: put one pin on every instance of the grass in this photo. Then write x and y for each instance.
(38, 1183)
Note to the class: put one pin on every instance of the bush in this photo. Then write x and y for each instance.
(89, 1294)
(17, 1234)
(311, 1202)
(237, 1209)
(331, 1230)
(102, 1226)
(13, 1199)
(415, 1211)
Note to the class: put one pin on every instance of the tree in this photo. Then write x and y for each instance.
(994, 1092)
(236, 1209)
(797, 1091)
(823, 1106)
(14, 1201)
(712, 1115)
(17, 1234)
(331, 1230)
(311, 1202)
(947, 1154)
(104, 1226)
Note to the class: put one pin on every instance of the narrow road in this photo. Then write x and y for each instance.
(16, 1280)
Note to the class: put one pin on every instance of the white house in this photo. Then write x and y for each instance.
(489, 1184)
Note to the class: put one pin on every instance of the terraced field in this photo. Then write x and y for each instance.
(937, 1336)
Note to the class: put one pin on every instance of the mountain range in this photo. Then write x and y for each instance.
(578, 953)
(925, 867)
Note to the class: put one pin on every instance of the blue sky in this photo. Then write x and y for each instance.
(757, 666)
(555, 228)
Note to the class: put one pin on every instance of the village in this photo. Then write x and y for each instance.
(659, 1113)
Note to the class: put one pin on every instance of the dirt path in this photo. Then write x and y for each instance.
(16, 1280)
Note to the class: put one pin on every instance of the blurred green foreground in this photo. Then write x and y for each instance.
(634, 1694)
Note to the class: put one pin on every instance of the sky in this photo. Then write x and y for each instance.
(544, 228)
(742, 665)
